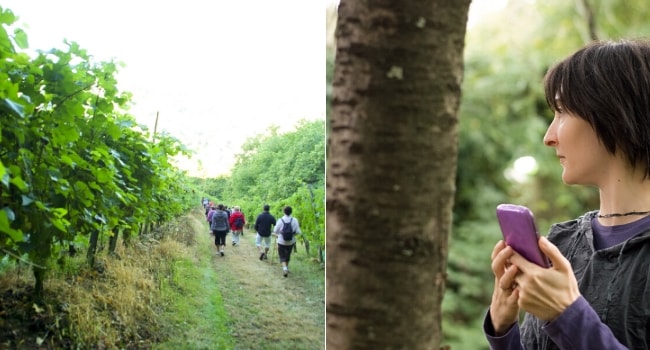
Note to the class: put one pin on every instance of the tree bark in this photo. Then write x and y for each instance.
(391, 170)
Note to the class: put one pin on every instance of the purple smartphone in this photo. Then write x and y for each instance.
(520, 232)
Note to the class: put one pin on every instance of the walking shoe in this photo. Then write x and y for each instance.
(221, 253)
(266, 257)
(233, 244)
(286, 273)
(261, 256)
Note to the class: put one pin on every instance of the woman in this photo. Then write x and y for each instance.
(236, 222)
(597, 293)
(211, 212)
(220, 228)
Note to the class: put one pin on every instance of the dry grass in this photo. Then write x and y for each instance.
(115, 305)
(168, 293)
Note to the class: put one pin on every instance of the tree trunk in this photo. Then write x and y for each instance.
(391, 170)
(306, 242)
(39, 280)
(126, 237)
(92, 247)
(112, 241)
(589, 13)
(72, 250)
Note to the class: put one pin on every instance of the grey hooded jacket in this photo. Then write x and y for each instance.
(220, 221)
(615, 281)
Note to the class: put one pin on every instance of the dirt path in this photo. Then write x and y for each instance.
(268, 311)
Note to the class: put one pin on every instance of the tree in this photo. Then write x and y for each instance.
(391, 170)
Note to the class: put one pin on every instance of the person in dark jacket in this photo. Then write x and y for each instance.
(596, 294)
(263, 225)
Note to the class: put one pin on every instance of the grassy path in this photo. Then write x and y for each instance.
(240, 302)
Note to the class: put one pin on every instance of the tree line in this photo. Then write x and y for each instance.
(279, 169)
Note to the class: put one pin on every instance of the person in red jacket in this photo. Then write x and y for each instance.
(237, 222)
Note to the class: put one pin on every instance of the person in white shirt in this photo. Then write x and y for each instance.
(286, 237)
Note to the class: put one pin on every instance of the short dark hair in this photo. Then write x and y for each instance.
(607, 83)
(288, 210)
(266, 207)
(220, 206)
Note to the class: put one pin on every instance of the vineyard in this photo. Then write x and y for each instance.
(73, 164)
(79, 177)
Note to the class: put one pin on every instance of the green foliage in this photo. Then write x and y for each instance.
(310, 203)
(279, 170)
(72, 161)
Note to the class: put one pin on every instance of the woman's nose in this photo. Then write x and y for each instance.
(550, 138)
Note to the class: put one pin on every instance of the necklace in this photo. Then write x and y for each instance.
(624, 214)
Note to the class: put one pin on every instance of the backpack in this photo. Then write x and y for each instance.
(239, 223)
(220, 222)
(287, 230)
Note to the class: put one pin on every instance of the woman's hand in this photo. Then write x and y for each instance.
(545, 292)
(504, 309)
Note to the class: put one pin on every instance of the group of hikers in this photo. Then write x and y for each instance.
(223, 220)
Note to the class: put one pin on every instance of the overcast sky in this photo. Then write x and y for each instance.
(216, 72)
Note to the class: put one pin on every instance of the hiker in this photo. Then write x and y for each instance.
(286, 230)
(237, 222)
(220, 229)
(209, 216)
(263, 225)
(207, 207)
